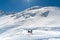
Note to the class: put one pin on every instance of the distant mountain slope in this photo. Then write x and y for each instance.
(14, 26)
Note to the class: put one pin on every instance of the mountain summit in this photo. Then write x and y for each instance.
(31, 17)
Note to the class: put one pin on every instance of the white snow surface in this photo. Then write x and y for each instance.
(44, 21)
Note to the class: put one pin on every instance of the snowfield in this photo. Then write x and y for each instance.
(43, 21)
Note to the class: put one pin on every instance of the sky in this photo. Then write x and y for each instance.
(20, 5)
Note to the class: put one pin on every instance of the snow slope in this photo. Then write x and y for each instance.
(44, 21)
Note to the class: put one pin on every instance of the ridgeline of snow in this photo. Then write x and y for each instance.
(44, 21)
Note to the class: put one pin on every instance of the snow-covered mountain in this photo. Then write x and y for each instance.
(45, 21)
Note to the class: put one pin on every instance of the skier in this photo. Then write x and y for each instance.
(30, 31)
